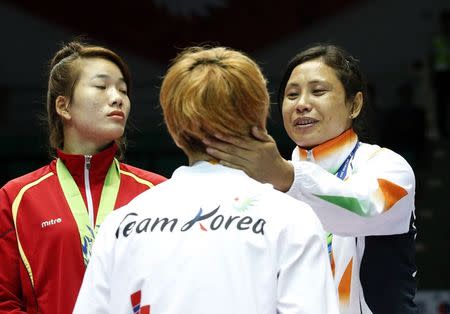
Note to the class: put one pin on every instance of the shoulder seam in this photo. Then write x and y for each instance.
(22, 191)
(138, 179)
(371, 155)
(6, 233)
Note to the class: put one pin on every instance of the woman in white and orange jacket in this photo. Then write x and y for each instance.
(49, 217)
(363, 194)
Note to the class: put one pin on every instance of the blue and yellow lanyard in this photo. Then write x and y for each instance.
(341, 174)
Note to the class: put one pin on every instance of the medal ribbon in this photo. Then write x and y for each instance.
(78, 208)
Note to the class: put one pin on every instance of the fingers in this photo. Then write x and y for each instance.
(231, 159)
(225, 163)
(238, 145)
(261, 134)
(233, 140)
(223, 143)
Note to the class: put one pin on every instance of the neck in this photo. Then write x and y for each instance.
(343, 137)
(84, 148)
(196, 157)
(330, 154)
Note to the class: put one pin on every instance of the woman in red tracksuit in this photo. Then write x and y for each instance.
(49, 217)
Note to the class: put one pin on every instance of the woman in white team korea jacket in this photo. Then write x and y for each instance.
(362, 193)
(210, 239)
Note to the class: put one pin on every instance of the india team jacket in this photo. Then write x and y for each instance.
(370, 211)
(209, 240)
(45, 274)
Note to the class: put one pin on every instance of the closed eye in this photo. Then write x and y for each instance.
(292, 95)
(122, 87)
(319, 92)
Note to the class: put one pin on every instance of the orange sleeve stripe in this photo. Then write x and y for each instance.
(333, 265)
(392, 193)
(345, 283)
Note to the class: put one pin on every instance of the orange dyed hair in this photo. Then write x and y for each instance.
(212, 90)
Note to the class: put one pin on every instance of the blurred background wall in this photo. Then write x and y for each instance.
(392, 39)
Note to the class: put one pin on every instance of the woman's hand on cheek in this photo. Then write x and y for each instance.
(257, 155)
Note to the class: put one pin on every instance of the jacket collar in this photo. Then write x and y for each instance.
(99, 162)
(204, 166)
(331, 154)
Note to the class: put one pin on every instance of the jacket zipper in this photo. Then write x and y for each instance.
(87, 186)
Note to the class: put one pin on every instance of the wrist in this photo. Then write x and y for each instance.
(286, 177)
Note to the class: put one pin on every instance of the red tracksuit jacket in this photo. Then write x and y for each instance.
(48, 232)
